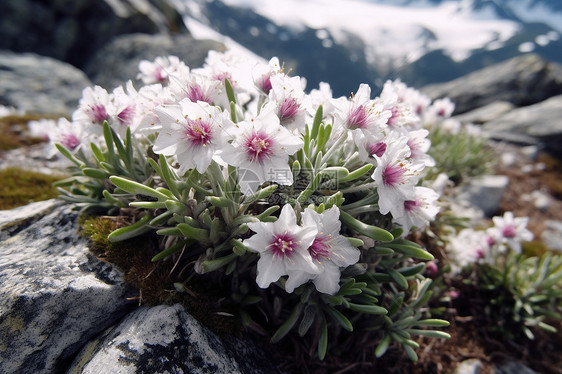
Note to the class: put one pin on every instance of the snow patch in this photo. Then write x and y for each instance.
(401, 33)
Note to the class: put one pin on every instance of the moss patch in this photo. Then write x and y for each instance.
(156, 281)
(15, 132)
(20, 187)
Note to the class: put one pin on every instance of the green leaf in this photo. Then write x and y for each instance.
(171, 250)
(238, 248)
(430, 333)
(339, 317)
(323, 341)
(370, 231)
(212, 265)
(137, 188)
(368, 309)
(201, 235)
(410, 352)
(148, 204)
(383, 251)
(382, 347)
(316, 123)
(221, 202)
(66, 153)
(398, 278)
(358, 173)
(396, 304)
(355, 242)
(412, 251)
(307, 319)
(288, 324)
(409, 271)
(229, 91)
(138, 228)
(432, 322)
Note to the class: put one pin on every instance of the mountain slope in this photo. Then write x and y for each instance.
(420, 41)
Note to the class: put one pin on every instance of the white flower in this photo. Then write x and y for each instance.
(402, 115)
(283, 248)
(195, 87)
(511, 231)
(396, 174)
(323, 96)
(467, 247)
(362, 116)
(70, 135)
(418, 212)
(438, 111)
(329, 250)
(262, 146)
(291, 102)
(262, 73)
(193, 132)
(42, 128)
(159, 70)
(419, 145)
(94, 108)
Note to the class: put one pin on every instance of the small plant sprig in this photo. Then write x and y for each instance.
(298, 205)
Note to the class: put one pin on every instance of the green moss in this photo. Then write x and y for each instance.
(20, 187)
(536, 248)
(155, 280)
(15, 132)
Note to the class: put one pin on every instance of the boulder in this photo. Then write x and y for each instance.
(539, 121)
(37, 84)
(119, 61)
(63, 310)
(72, 31)
(486, 113)
(523, 80)
(54, 296)
(163, 339)
(485, 192)
(552, 235)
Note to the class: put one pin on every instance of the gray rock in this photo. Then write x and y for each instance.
(486, 113)
(539, 121)
(163, 339)
(119, 61)
(54, 297)
(523, 80)
(470, 366)
(552, 235)
(72, 31)
(38, 84)
(485, 192)
(513, 367)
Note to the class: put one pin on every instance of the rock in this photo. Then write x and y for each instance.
(513, 367)
(486, 113)
(38, 158)
(485, 192)
(162, 339)
(119, 61)
(72, 31)
(470, 366)
(552, 235)
(38, 84)
(54, 297)
(539, 121)
(523, 80)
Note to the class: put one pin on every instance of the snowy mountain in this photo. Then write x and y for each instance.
(353, 41)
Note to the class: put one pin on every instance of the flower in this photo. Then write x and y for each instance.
(193, 132)
(511, 231)
(160, 69)
(419, 211)
(362, 116)
(94, 108)
(467, 247)
(291, 102)
(329, 250)
(262, 73)
(283, 248)
(262, 146)
(396, 174)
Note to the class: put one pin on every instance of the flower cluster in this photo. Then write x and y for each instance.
(470, 246)
(246, 175)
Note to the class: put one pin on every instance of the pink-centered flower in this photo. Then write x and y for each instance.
(511, 231)
(262, 73)
(193, 132)
(419, 211)
(330, 251)
(262, 146)
(396, 174)
(159, 70)
(290, 101)
(283, 248)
